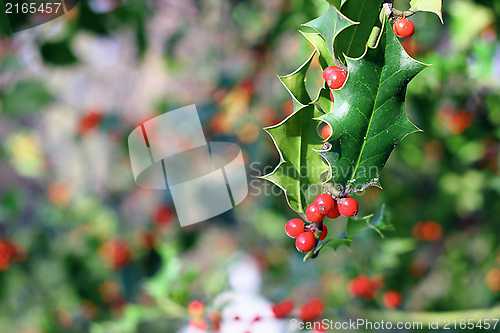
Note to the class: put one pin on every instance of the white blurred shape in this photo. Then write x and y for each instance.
(103, 6)
(245, 310)
(104, 51)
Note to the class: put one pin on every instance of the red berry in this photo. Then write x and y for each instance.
(325, 203)
(328, 70)
(311, 310)
(331, 96)
(432, 231)
(305, 242)
(116, 253)
(326, 131)
(90, 121)
(313, 213)
(362, 286)
(294, 227)
(348, 206)
(392, 299)
(283, 309)
(324, 233)
(7, 252)
(334, 212)
(163, 215)
(196, 308)
(404, 28)
(336, 79)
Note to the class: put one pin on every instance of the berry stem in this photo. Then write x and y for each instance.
(391, 12)
(317, 229)
(332, 190)
(339, 64)
(303, 216)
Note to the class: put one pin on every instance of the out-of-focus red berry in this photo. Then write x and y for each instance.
(392, 299)
(163, 215)
(362, 286)
(196, 308)
(283, 309)
(89, 122)
(116, 253)
(311, 310)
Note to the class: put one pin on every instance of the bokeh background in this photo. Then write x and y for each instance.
(83, 249)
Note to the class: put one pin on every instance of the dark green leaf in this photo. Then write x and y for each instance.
(352, 41)
(58, 53)
(330, 24)
(368, 118)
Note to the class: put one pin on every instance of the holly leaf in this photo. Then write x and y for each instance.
(378, 222)
(325, 59)
(330, 24)
(352, 41)
(300, 166)
(296, 139)
(336, 3)
(434, 6)
(368, 117)
(295, 83)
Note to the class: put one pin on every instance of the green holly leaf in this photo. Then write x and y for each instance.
(352, 41)
(336, 3)
(368, 117)
(330, 24)
(378, 222)
(296, 139)
(325, 59)
(434, 6)
(295, 83)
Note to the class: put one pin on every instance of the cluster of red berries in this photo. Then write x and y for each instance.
(335, 78)
(323, 205)
(403, 28)
(366, 287)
